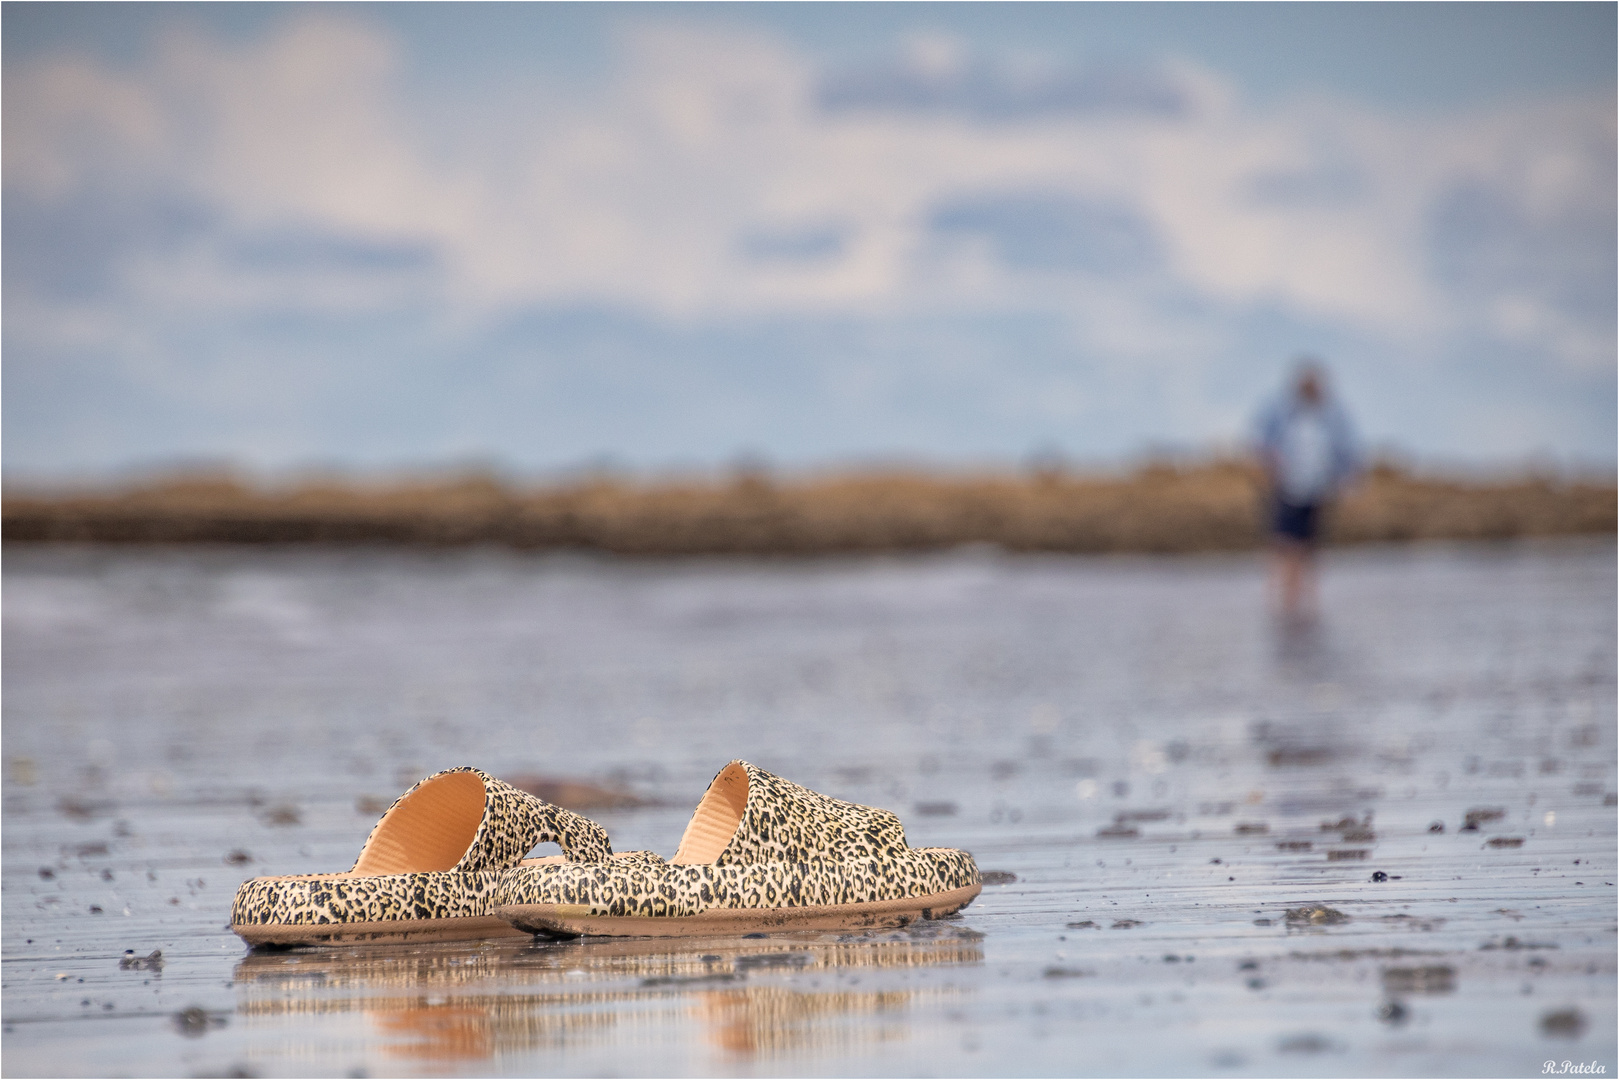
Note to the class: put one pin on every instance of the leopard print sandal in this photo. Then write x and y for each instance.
(761, 853)
(426, 872)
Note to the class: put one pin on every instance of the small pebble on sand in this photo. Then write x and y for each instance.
(1316, 915)
(1563, 1023)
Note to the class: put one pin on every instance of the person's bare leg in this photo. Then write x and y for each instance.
(1278, 575)
(1306, 599)
(1295, 578)
(1298, 581)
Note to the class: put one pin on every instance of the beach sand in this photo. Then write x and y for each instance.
(1217, 845)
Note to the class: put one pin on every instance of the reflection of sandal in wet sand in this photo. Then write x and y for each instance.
(425, 873)
(760, 853)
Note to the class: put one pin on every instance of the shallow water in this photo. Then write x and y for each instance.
(1165, 771)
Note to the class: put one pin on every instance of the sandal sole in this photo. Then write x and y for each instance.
(379, 932)
(575, 920)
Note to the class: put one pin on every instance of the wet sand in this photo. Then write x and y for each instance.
(1214, 838)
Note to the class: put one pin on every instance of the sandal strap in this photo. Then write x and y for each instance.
(581, 840)
(504, 823)
(787, 822)
(784, 822)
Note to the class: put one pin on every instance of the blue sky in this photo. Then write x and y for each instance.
(379, 236)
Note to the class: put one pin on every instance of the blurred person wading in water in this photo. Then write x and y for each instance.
(1308, 453)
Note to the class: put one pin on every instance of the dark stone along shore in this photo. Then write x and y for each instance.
(1210, 506)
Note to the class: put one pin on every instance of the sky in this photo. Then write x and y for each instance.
(542, 237)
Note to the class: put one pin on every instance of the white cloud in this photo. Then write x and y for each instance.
(69, 119)
(713, 184)
(642, 199)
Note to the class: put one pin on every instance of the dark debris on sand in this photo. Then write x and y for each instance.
(1563, 1023)
(577, 794)
(153, 961)
(196, 1021)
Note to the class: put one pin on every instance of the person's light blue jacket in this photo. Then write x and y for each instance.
(1285, 453)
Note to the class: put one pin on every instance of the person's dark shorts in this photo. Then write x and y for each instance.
(1298, 523)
